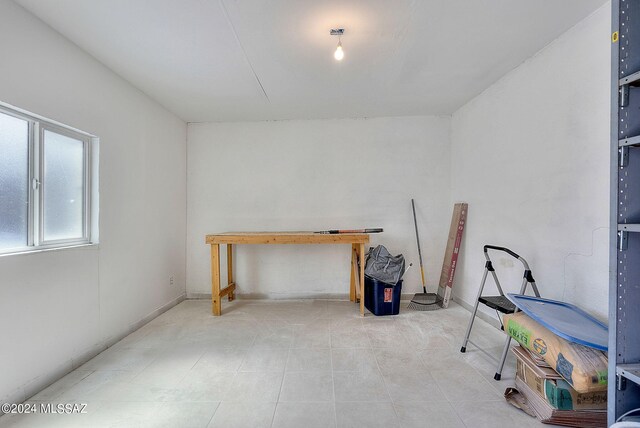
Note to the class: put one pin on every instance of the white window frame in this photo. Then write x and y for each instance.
(35, 222)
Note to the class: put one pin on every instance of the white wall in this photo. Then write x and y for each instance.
(315, 175)
(56, 307)
(527, 154)
(530, 155)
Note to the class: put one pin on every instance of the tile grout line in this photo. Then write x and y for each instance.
(213, 414)
(435, 382)
(284, 371)
(333, 379)
(63, 391)
(384, 382)
(235, 375)
(482, 376)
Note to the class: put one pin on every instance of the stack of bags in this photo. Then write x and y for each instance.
(561, 382)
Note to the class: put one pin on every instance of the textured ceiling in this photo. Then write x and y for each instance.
(230, 60)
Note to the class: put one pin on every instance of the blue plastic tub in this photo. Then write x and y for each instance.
(565, 320)
(381, 298)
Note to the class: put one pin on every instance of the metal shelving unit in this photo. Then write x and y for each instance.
(629, 371)
(624, 292)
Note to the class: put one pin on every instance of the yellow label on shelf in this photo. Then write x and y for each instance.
(614, 37)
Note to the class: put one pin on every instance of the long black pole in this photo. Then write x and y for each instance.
(415, 223)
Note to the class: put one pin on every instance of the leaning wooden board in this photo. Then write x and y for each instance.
(450, 262)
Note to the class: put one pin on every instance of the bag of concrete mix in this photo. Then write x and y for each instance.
(585, 369)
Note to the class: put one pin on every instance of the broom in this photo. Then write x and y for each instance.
(422, 301)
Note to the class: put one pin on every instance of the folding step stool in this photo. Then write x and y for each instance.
(499, 303)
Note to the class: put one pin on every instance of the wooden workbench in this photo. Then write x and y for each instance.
(357, 241)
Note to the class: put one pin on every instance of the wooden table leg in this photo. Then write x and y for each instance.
(216, 306)
(361, 254)
(232, 293)
(352, 287)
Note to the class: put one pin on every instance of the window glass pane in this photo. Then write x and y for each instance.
(14, 181)
(62, 182)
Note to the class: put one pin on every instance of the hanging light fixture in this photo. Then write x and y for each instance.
(339, 53)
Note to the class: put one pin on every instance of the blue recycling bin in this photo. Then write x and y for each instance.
(381, 298)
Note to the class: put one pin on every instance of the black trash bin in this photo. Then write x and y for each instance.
(381, 298)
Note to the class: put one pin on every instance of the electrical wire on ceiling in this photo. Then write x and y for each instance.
(244, 52)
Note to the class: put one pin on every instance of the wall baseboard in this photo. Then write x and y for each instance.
(145, 320)
(287, 296)
(277, 296)
(41, 382)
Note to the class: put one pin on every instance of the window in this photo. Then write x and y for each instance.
(45, 183)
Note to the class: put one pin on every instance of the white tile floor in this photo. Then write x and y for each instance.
(305, 363)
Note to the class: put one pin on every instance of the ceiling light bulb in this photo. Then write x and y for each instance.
(339, 53)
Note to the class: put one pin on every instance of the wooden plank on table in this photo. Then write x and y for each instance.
(450, 262)
(286, 238)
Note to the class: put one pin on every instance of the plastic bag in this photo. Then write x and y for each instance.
(382, 266)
